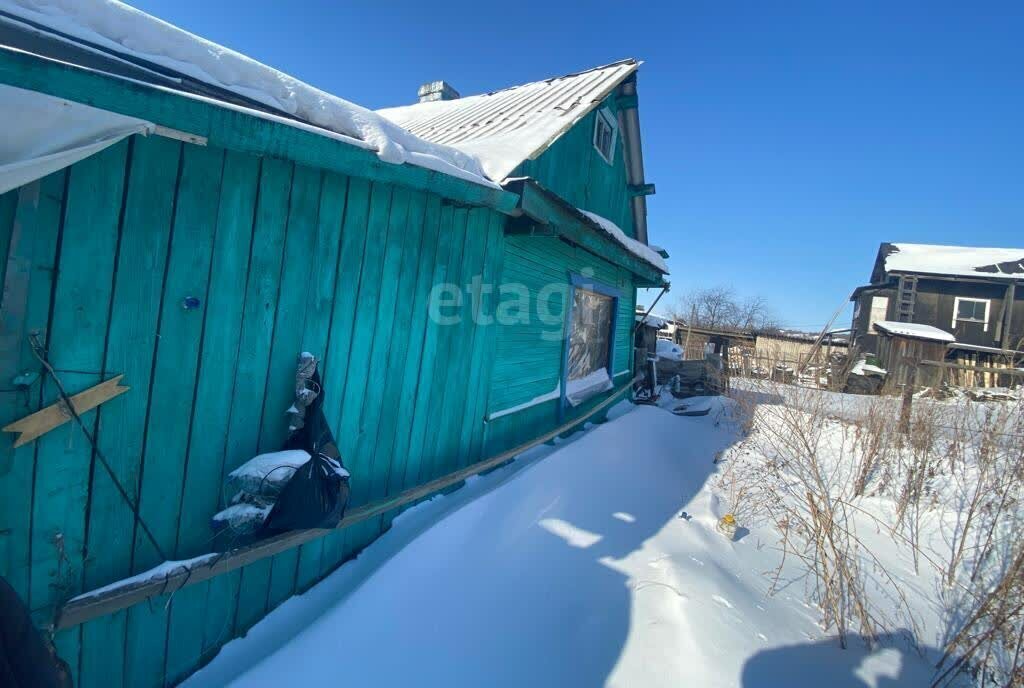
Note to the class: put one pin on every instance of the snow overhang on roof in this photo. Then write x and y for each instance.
(914, 331)
(504, 128)
(869, 288)
(596, 234)
(955, 261)
(132, 44)
(652, 321)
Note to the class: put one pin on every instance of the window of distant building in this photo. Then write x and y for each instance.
(970, 310)
(879, 308)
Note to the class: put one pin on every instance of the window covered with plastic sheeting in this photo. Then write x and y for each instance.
(590, 341)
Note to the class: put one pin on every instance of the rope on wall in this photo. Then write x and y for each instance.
(40, 353)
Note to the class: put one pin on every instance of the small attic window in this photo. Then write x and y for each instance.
(605, 131)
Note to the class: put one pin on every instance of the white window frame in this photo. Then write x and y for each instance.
(605, 115)
(956, 309)
(873, 312)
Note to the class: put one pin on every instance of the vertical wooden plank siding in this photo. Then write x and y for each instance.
(401, 333)
(432, 463)
(230, 276)
(28, 284)
(291, 311)
(484, 337)
(460, 352)
(404, 239)
(366, 452)
(76, 340)
(336, 361)
(281, 258)
(172, 396)
(261, 301)
(195, 608)
(417, 467)
(414, 363)
(142, 257)
(350, 429)
(317, 324)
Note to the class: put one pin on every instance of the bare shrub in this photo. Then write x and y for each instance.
(809, 460)
(873, 449)
(790, 475)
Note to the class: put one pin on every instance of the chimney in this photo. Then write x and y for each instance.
(437, 90)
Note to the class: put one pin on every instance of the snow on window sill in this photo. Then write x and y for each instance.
(578, 391)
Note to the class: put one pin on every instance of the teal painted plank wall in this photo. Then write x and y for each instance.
(574, 170)
(528, 358)
(283, 258)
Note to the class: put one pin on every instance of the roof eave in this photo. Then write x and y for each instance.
(546, 208)
(980, 278)
(232, 127)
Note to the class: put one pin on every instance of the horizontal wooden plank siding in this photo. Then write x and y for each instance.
(530, 340)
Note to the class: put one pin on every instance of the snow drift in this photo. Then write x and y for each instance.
(599, 565)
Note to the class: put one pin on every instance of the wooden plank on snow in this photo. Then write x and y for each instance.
(88, 606)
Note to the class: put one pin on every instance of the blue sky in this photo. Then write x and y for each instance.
(786, 139)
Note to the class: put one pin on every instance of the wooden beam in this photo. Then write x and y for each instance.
(56, 415)
(235, 128)
(547, 208)
(116, 597)
(641, 189)
(982, 277)
(1009, 301)
(977, 369)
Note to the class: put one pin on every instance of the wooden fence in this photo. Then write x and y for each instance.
(829, 369)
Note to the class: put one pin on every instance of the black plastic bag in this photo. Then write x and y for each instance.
(26, 660)
(316, 496)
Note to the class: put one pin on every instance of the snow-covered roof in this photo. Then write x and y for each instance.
(152, 44)
(862, 367)
(504, 128)
(914, 330)
(960, 261)
(652, 320)
(637, 248)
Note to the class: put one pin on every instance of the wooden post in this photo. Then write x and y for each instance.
(689, 329)
(909, 381)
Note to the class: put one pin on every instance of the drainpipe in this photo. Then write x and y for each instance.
(629, 125)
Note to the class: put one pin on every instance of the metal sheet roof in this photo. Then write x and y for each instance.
(961, 261)
(506, 127)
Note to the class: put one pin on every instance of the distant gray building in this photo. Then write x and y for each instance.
(974, 294)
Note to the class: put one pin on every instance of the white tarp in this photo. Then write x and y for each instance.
(131, 33)
(43, 134)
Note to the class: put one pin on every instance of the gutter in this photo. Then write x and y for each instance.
(629, 125)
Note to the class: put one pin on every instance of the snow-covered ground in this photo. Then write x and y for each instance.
(595, 562)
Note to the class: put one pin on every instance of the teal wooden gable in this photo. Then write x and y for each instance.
(278, 239)
(573, 169)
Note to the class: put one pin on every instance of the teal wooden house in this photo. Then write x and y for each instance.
(189, 220)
